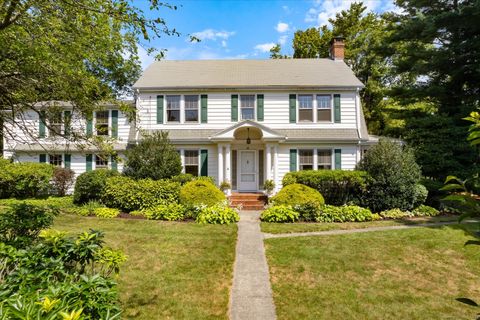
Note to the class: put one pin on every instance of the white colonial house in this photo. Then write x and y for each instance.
(241, 121)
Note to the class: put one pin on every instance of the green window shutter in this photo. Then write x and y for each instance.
(90, 124)
(114, 123)
(336, 106)
(293, 160)
(259, 107)
(234, 107)
(67, 120)
(41, 129)
(89, 159)
(43, 158)
(293, 108)
(159, 109)
(338, 159)
(204, 163)
(204, 108)
(114, 165)
(68, 161)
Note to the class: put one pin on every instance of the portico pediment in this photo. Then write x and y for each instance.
(255, 129)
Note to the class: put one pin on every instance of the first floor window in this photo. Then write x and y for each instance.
(306, 159)
(324, 159)
(101, 123)
(324, 108)
(191, 108)
(101, 162)
(305, 108)
(191, 162)
(247, 107)
(55, 123)
(173, 108)
(55, 159)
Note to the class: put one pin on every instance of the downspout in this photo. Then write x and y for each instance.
(357, 116)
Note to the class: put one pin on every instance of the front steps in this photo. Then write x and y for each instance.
(248, 201)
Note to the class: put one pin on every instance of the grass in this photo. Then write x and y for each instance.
(174, 270)
(401, 274)
(269, 227)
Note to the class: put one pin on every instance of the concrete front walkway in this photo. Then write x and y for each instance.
(251, 296)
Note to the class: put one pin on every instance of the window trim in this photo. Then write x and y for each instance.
(109, 123)
(299, 157)
(254, 106)
(183, 110)
(314, 108)
(94, 162)
(332, 156)
(182, 155)
(180, 108)
(315, 150)
(50, 125)
(331, 109)
(62, 160)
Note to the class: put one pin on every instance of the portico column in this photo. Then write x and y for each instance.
(220, 164)
(228, 174)
(182, 159)
(275, 166)
(269, 161)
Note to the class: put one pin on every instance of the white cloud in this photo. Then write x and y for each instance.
(224, 43)
(282, 40)
(324, 10)
(145, 58)
(282, 27)
(264, 47)
(174, 53)
(212, 34)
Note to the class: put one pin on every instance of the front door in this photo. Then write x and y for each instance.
(247, 171)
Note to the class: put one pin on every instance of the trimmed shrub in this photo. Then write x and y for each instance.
(217, 214)
(425, 211)
(337, 186)
(420, 194)
(106, 212)
(395, 214)
(394, 175)
(280, 213)
(25, 180)
(295, 194)
(127, 194)
(309, 211)
(169, 212)
(90, 185)
(60, 203)
(183, 178)
(198, 192)
(62, 180)
(345, 214)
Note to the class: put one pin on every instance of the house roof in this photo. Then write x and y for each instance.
(238, 74)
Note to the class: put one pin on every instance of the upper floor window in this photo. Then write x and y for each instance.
(247, 107)
(305, 108)
(324, 159)
(101, 123)
(101, 162)
(306, 159)
(55, 123)
(191, 108)
(324, 108)
(191, 162)
(55, 159)
(173, 108)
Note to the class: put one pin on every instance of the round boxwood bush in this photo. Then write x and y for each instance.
(198, 192)
(297, 194)
(90, 185)
(279, 213)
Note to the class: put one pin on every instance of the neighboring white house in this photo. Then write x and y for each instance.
(242, 121)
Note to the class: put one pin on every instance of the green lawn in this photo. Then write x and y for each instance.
(174, 270)
(401, 274)
(270, 227)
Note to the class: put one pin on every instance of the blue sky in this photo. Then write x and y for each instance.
(242, 29)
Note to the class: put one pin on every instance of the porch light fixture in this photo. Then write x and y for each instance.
(248, 136)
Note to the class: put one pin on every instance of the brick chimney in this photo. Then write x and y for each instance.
(337, 48)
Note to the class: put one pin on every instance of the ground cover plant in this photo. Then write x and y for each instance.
(173, 270)
(406, 274)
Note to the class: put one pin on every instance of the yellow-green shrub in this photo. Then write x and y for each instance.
(199, 192)
(297, 194)
(106, 212)
(281, 213)
(217, 214)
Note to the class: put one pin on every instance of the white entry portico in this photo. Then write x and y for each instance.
(247, 155)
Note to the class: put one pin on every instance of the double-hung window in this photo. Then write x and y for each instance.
(305, 108)
(324, 159)
(173, 108)
(101, 161)
(55, 123)
(101, 123)
(324, 108)
(191, 108)
(306, 159)
(55, 159)
(191, 162)
(247, 107)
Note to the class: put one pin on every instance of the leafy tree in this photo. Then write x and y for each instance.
(312, 43)
(153, 157)
(83, 51)
(276, 52)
